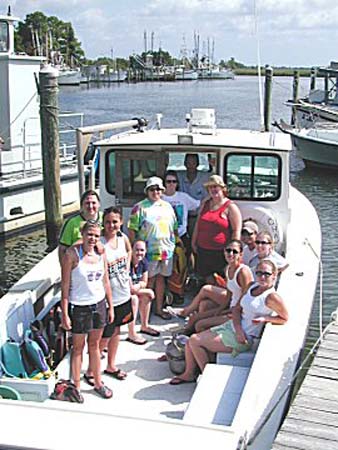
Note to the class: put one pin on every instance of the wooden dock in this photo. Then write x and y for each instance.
(312, 420)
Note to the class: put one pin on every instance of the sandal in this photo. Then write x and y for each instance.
(164, 315)
(178, 380)
(104, 391)
(118, 374)
(89, 379)
(151, 332)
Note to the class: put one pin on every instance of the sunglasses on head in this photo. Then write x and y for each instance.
(261, 273)
(171, 181)
(154, 189)
(231, 250)
(262, 242)
(247, 233)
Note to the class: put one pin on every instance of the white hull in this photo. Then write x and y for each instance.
(215, 74)
(186, 75)
(69, 77)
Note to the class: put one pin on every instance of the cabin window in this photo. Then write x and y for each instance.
(253, 176)
(110, 174)
(3, 37)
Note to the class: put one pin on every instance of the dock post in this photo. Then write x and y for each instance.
(267, 97)
(49, 118)
(326, 87)
(313, 79)
(295, 89)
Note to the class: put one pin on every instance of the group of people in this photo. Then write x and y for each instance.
(108, 276)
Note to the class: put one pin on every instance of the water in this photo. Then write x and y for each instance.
(237, 106)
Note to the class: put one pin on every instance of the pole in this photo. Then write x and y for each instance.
(326, 87)
(313, 79)
(49, 118)
(295, 88)
(267, 97)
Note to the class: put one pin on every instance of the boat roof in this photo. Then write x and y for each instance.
(235, 138)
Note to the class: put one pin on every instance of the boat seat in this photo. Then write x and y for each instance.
(244, 359)
(218, 405)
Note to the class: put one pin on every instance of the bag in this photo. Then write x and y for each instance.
(175, 352)
(177, 280)
(66, 391)
(12, 361)
(34, 355)
(58, 338)
(37, 332)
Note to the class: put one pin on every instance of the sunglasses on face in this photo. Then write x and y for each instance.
(171, 181)
(154, 189)
(261, 273)
(262, 242)
(231, 250)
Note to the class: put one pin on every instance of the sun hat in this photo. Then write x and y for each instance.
(250, 226)
(154, 181)
(215, 180)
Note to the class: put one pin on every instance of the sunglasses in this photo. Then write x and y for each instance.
(154, 189)
(262, 242)
(261, 273)
(171, 181)
(231, 250)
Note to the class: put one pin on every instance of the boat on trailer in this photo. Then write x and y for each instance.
(238, 402)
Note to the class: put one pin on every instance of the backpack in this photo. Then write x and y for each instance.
(65, 390)
(34, 354)
(177, 280)
(38, 335)
(12, 360)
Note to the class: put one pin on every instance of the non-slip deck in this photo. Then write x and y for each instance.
(312, 421)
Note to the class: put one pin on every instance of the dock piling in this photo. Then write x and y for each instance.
(313, 79)
(295, 91)
(49, 117)
(267, 97)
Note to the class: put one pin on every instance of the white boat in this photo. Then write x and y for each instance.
(240, 401)
(69, 77)
(216, 73)
(317, 145)
(21, 187)
(181, 73)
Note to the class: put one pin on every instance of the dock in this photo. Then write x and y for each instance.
(312, 420)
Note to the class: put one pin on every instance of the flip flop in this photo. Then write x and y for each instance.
(117, 374)
(89, 379)
(104, 391)
(134, 341)
(175, 313)
(164, 315)
(151, 332)
(177, 380)
(162, 358)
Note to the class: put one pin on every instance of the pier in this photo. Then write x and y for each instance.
(312, 420)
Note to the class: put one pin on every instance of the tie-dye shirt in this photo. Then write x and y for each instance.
(155, 223)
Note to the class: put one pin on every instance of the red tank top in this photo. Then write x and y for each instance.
(213, 228)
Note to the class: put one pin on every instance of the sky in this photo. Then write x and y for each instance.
(286, 32)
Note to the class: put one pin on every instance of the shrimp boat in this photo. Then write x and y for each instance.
(21, 184)
(238, 402)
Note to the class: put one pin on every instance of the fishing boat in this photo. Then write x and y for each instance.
(69, 76)
(317, 145)
(215, 73)
(182, 73)
(21, 184)
(238, 402)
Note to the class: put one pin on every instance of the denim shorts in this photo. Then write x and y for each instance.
(89, 317)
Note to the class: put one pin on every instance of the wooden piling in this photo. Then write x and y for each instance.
(267, 97)
(49, 118)
(326, 87)
(295, 90)
(313, 79)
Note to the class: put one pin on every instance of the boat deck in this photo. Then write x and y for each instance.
(312, 419)
(145, 392)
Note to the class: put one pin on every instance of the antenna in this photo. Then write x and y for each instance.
(260, 81)
(9, 12)
(145, 41)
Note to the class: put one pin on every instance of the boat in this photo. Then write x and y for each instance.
(21, 184)
(182, 73)
(215, 73)
(69, 76)
(237, 403)
(317, 145)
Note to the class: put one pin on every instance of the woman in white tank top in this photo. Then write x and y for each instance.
(261, 304)
(211, 305)
(85, 295)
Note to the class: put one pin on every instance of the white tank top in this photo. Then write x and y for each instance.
(233, 286)
(254, 306)
(86, 283)
(117, 259)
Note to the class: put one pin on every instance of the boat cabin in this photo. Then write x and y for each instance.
(254, 165)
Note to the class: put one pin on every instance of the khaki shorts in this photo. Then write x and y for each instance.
(228, 336)
(163, 268)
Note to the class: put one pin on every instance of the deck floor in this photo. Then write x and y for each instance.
(146, 391)
(312, 421)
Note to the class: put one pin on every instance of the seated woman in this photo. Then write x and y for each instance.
(259, 305)
(213, 303)
(141, 295)
(264, 248)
